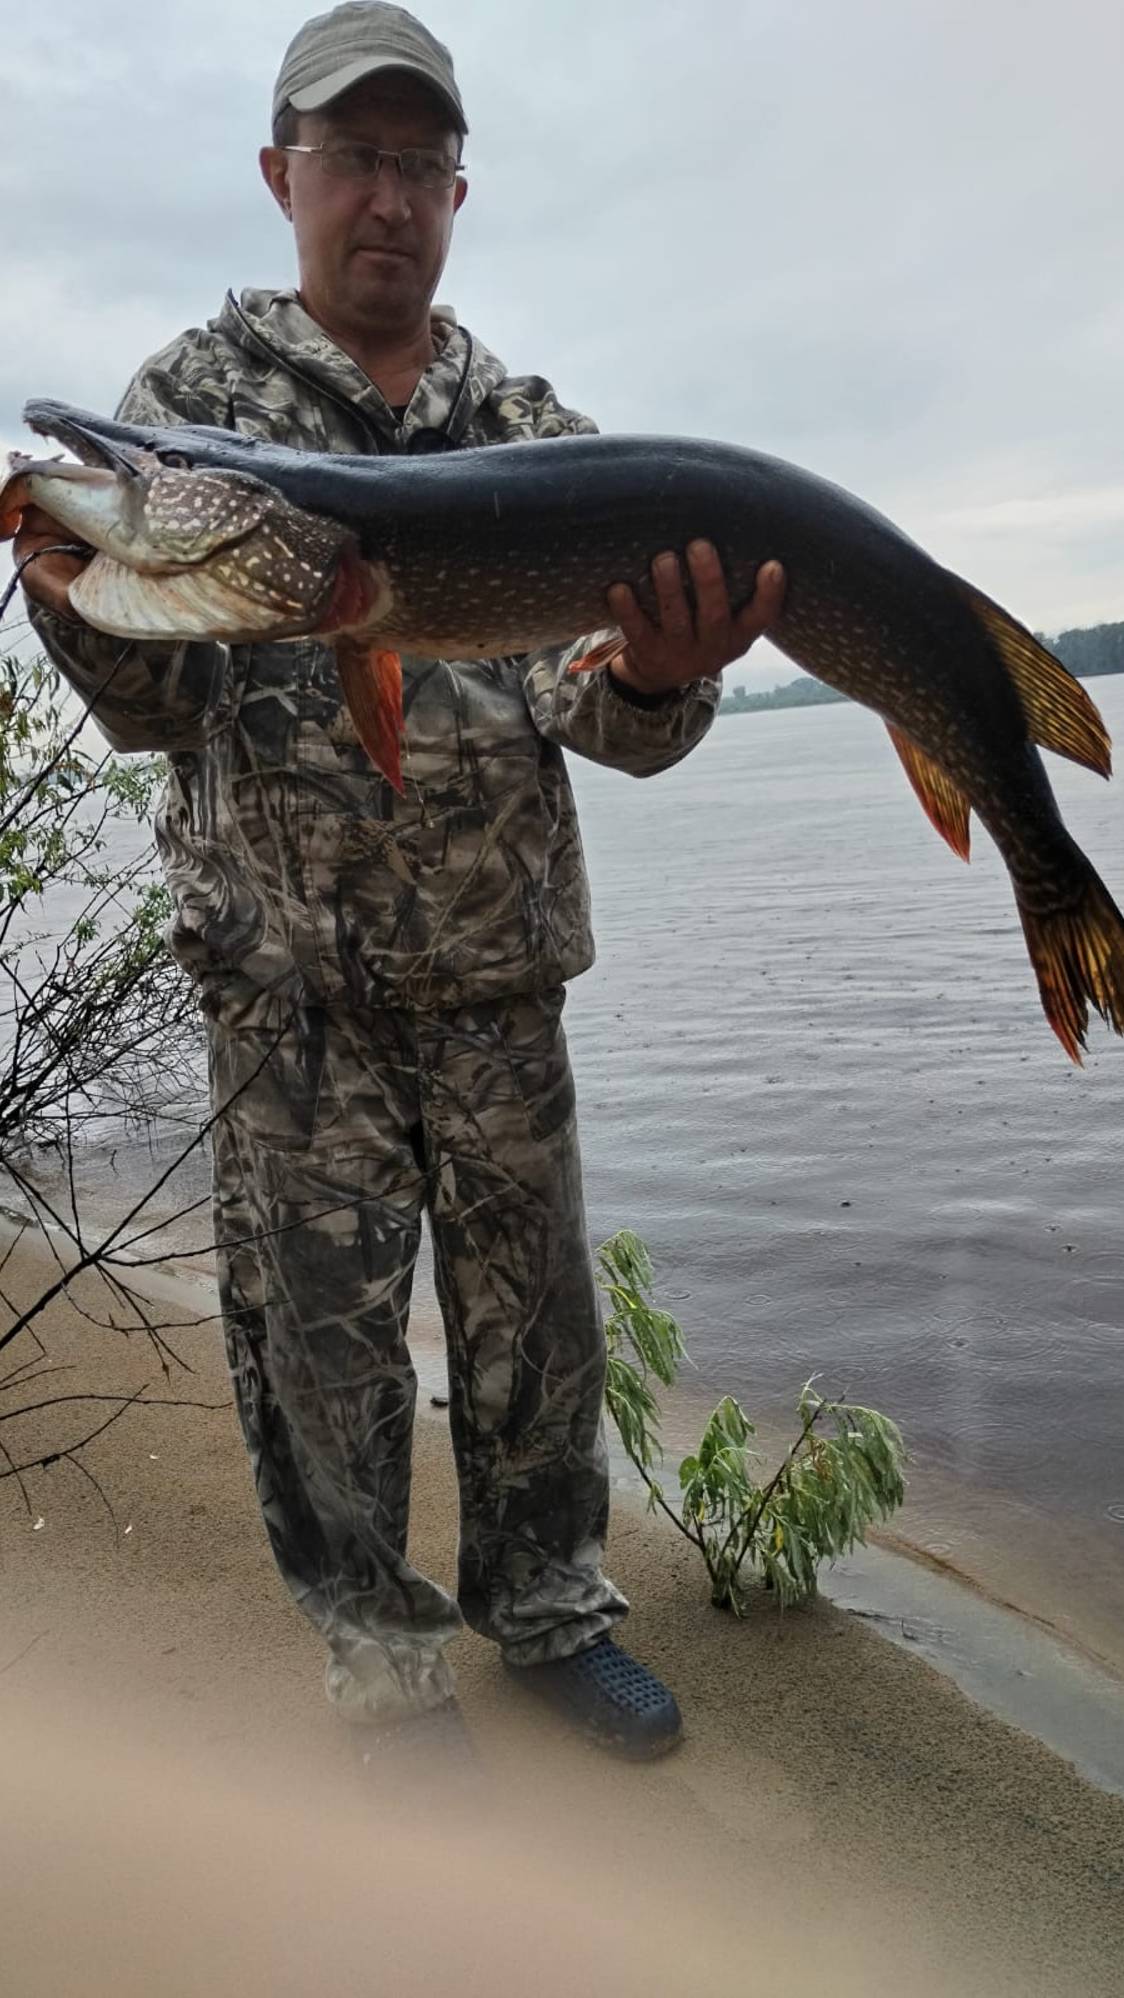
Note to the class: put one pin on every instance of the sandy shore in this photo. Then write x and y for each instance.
(183, 1812)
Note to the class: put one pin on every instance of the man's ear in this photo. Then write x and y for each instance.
(274, 166)
(460, 191)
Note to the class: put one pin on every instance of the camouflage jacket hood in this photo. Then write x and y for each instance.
(272, 326)
(295, 870)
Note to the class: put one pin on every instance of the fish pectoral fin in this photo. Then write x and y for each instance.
(1059, 713)
(941, 800)
(601, 655)
(372, 687)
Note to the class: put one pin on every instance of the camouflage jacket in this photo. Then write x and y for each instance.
(291, 863)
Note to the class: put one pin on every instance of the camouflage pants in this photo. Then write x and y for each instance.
(340, 1129)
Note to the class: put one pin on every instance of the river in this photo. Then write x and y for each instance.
(815, 1076)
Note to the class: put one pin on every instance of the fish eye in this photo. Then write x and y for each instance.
(176, 461)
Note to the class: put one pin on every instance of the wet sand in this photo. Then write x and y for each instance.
(183, 1812)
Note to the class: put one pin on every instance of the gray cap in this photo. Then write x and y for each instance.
(359, 39)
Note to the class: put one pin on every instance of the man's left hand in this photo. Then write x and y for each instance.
(683, 647)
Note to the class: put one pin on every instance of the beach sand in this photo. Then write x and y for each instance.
(184, 1814)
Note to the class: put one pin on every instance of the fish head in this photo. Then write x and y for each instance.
(185, 552)
(188, 550)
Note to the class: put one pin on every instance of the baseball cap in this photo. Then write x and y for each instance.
(358, 39)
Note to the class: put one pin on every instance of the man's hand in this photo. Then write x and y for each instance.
(682, 648)
(46, 581)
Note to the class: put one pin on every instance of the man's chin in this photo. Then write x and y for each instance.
(386, 293)
(386, 304)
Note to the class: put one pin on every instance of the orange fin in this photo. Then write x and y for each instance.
(1078, 955)
(941, 800)
(372, 687)
(601, 655)
(1059, 713)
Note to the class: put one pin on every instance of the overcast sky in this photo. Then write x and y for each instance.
(884, 238)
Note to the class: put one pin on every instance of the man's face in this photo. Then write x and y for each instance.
(370, 254)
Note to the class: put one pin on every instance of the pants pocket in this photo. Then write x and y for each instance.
(540, 1061)
(269, 1079)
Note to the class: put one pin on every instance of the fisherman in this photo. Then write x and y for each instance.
(382, 979)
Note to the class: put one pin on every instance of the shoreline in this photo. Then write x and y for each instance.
(807, 692)
(998, 1650)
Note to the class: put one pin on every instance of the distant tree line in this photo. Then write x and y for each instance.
(803, 693)
(1097, 648)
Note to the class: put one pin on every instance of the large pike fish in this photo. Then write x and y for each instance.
(479, 553)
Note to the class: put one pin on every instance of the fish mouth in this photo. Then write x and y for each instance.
(90, 447)
(101, 454)
(105, 443)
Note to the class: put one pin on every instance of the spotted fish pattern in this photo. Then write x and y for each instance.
(236, 533)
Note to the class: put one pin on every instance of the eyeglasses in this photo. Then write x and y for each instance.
(419, 166)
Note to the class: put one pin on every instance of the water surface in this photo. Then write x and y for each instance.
(815, 1076)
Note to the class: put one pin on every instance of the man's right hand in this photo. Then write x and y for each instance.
(47, 580)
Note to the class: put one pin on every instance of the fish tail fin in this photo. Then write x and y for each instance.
(1078, 957)
(372, 687)
(1060, 715)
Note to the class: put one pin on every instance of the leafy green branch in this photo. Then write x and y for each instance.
(827, 1491)
(95, 1015)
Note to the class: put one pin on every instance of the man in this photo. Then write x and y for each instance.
(383, 979)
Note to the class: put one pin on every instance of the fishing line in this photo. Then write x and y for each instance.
(61, 548)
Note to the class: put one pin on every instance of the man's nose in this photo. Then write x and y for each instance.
(389, 197)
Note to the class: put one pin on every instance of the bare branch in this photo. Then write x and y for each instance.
(125, 1402)
(150, 1401)
(16, 1471)
(78, 1465)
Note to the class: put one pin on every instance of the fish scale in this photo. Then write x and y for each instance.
(489, 552)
